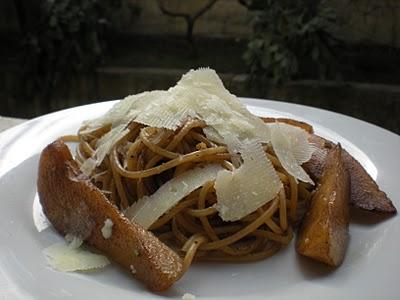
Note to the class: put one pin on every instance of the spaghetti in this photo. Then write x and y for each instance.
(145, 158)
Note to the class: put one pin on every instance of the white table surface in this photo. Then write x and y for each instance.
(6, 122)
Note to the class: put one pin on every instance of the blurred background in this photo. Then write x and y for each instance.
(341, 55)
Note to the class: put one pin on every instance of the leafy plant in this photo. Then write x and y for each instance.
(65, 37)
(289, 36)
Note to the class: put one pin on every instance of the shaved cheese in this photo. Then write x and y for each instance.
(105, 144)
(298, 141)
(165, 112)
(292, 148)
(213, 135)
(119, 116)
(218, 106)
(70, 257)
(249, 187)
(148, 209)
(88, 166)
(234, 147)
(125, 110)
(225, 115)
(199, 94)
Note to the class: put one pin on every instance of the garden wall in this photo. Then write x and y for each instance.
(365, 21)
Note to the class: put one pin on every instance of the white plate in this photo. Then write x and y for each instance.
(371, 268)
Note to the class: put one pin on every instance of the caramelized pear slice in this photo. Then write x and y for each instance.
(323, 235)
(75, 206)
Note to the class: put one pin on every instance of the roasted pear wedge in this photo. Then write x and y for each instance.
(75, 206)
(365, 193)
(323, 235)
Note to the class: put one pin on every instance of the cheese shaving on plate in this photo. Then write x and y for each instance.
(188, 296)
(71, 257)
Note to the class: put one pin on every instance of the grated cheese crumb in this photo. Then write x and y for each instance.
(136, 252)
(133, 270)
(106, 230)
(188, 296)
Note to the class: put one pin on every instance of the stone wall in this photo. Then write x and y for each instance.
(365, 21)
(369, 21)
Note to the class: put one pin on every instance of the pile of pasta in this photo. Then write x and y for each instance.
(145, 158)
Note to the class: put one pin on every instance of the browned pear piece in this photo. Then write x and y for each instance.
(323, 235)
(365, 192)
(75, 206)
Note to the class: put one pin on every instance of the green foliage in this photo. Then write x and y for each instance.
(289, 36)
(67, 37)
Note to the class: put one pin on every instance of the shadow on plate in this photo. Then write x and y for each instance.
(367, 218)
(312, 269)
